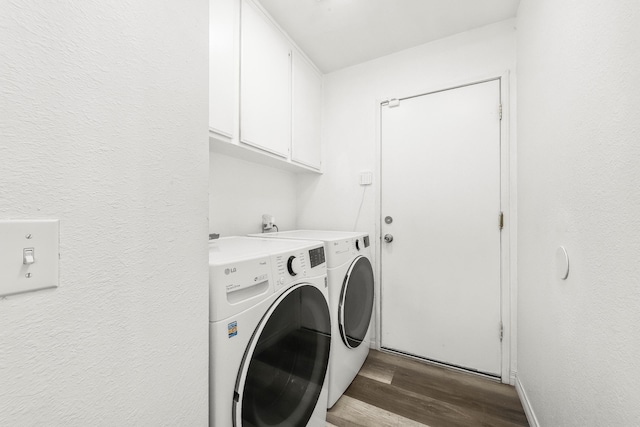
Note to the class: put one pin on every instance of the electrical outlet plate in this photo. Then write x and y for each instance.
(366, 178)
(19, 239)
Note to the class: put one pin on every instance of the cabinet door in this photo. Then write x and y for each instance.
(265, 83)
(223, 22)
(306, 112)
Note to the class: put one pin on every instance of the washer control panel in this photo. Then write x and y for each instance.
(316, 256)
(293, 266)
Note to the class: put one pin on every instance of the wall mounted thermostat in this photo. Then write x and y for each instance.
(29, 255)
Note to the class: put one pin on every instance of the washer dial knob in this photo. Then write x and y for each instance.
(293, 265)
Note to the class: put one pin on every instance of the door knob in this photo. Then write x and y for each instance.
(388, 238)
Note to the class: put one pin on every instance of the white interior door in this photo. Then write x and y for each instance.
(440, 185)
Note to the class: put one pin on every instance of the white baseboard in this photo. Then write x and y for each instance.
(526, 405)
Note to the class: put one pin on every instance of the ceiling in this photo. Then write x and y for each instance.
(339, 33)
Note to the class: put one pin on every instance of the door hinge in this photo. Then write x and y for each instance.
(501, 221)
(501, 331)
(500, 111)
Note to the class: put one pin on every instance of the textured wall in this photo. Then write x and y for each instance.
(241, 192)
(335, 200)
(103, 124)
(578, 163)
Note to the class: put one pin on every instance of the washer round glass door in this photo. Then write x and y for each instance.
(284, 366)
(356, 302)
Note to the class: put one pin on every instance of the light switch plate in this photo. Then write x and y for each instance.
(19, 239)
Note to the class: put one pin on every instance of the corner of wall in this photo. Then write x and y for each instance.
(526, 404)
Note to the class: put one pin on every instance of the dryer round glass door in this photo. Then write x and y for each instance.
(356, 302)
(284, 367)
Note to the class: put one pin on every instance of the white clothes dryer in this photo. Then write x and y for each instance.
(269, 333)
(351, 295)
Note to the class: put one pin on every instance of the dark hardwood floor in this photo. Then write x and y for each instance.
(392, 390)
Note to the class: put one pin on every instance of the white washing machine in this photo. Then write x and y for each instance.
(351, 293)
(270, 333)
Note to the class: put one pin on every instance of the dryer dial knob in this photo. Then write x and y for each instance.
(293, 265)
(358, 244)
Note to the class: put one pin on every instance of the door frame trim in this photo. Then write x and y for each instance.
(508, 259)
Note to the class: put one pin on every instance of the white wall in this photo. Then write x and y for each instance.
(242, 191)
(578, 163)
(351, 102)
(103, 123)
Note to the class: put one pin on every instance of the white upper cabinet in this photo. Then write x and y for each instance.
(306, 112)
(224, 18)
(265, 83)
(265, 96)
